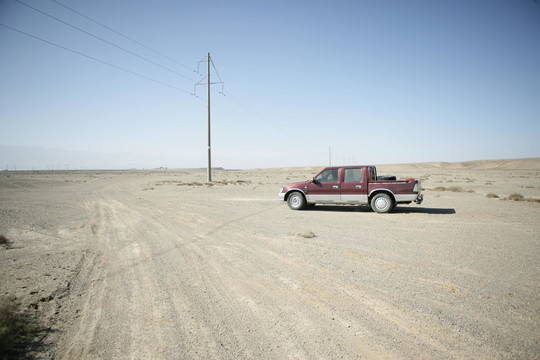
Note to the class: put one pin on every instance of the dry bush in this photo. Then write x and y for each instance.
(5, 242)
(17, 331)
(452, 189)
(306, 235)
(234, 182)
(214, 183)
(492, 196)
(9, 329)
(515, 197)
(180, 183)
(519, 197)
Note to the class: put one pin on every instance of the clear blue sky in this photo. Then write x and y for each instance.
(376, 81)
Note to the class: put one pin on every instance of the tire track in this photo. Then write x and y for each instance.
(92, 283)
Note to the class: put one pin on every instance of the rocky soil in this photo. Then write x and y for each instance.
(159, 264)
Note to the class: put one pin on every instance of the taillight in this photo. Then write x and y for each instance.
(417, 187)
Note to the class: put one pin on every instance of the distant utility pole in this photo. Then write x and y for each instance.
(329, 156)
(208, 61)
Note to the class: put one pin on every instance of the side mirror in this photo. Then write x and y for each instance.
(314, 181)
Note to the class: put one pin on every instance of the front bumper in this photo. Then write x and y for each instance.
(281, 196)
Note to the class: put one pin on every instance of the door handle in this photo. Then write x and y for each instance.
(358, 186)
(335, 186)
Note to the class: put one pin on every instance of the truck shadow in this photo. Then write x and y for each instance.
(423, 210)
(397, 210)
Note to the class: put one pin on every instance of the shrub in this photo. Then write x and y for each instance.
(519, 197)
(17, 331)
(452, 188)
(306, 235)
(515, 197)
(5, 242)
(492, 196)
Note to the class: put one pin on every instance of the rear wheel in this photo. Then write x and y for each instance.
(382, 203)
(296, 201)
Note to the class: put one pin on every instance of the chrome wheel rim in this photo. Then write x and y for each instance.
(381, 203)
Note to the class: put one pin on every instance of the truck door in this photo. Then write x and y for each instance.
(354, 186)
(325, 187)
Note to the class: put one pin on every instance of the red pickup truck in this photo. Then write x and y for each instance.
(354, 185)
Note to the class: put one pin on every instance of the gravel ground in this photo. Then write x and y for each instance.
(161, 265)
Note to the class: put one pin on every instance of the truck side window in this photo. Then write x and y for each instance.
(372, 175)
(327, 176)
(353, 175)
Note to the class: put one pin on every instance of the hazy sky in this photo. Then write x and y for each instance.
(376, 81)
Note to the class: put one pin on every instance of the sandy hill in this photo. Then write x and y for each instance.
(503, 164)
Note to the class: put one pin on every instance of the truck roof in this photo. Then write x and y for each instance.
(347, 166)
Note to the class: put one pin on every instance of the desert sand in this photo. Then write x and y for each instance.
(161, 265)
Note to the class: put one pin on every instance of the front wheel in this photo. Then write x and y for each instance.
(296, 201)
(382, 203)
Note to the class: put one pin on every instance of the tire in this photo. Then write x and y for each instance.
(382, 203)
(296, 201)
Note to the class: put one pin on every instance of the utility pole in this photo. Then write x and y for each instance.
(208, 60)
(329, 156)
(209, 138)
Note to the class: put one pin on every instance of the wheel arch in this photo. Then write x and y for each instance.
(379, 191)
(292, 191)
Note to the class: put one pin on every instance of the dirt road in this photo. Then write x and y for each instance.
(158, 265)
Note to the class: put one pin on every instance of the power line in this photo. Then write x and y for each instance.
(270, 125)
(235, 101)
(261, 118)
(229, 97)
(152, 79)
(96, 59)
(105, 41)
(124, 36)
